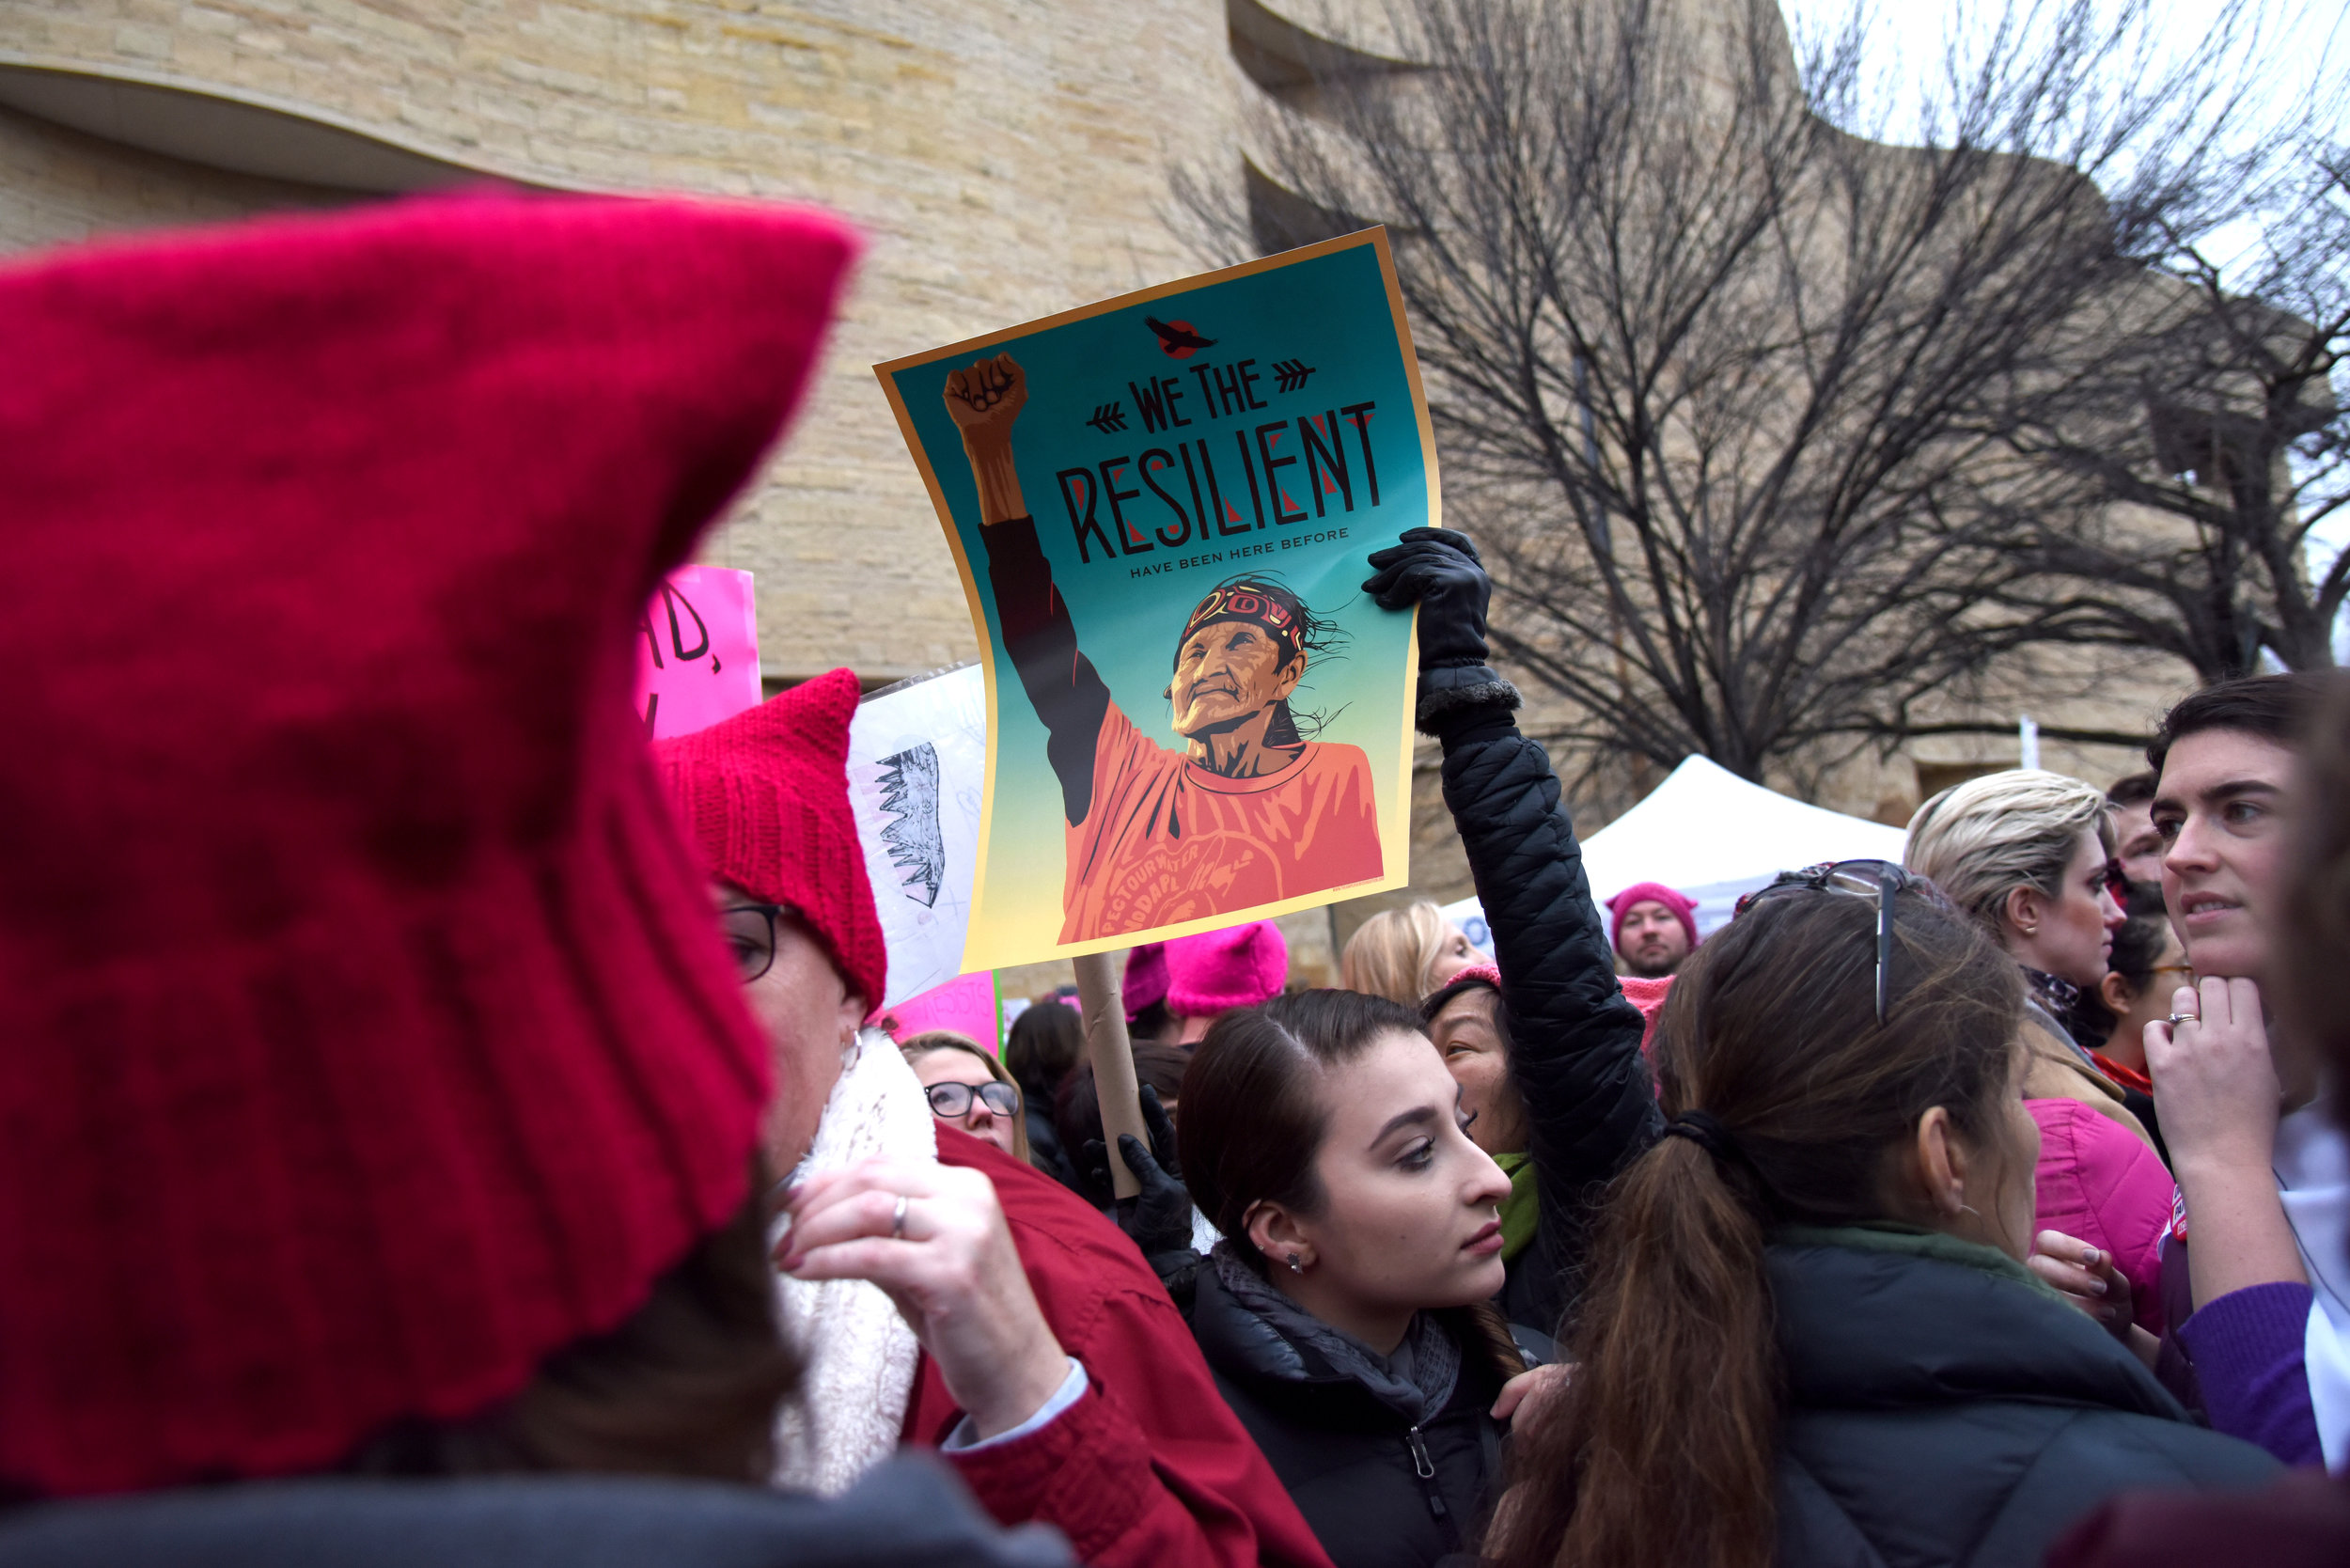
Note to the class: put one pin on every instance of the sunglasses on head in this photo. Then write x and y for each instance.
(1879, 880)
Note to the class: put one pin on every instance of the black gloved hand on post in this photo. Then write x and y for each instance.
(1438, 570)
(1159, 1220)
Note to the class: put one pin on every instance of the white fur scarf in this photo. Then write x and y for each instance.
(860, 1354)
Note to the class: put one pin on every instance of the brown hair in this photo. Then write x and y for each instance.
(687, 1386)
(1253, 1122)
(915, 1047)
(2315, 939)
(2277, 708)
(1043, 1048)
(1663, 1451)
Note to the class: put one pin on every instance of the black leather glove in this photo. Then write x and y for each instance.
(1159, 1220)
(1437, 569)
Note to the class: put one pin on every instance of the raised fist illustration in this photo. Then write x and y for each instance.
(984, 399)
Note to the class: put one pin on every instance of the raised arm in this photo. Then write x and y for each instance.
(1575, 1041)
(1062, 686)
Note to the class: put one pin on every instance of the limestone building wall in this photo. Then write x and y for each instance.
(1004, 159)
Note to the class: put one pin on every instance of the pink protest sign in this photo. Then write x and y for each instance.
(697, 658)
(965, 1004)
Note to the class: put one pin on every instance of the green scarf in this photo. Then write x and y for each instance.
(1885, 1235)
(1518, 1210)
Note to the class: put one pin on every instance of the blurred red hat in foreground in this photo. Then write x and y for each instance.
(363, 1034)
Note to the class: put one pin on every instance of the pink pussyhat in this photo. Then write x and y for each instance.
(1684, 909)
(1145, 982)
(1219, 970)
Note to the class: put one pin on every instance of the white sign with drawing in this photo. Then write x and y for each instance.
(918, 767)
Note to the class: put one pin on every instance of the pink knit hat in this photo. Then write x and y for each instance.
(1219, 970)
(765, 795)
(1146, 978)
(1684, 909)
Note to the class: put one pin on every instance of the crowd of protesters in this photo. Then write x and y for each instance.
(424, 1097)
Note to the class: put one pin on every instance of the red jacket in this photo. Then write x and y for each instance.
(1150, 1468)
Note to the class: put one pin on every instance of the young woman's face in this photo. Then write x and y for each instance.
(961, 1067)
(1408, 1215)
(1471, 1048)
(2071, 935)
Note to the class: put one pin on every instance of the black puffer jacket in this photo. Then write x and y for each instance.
(1575, 1041)
(1944, 1410)
(1379, 1490)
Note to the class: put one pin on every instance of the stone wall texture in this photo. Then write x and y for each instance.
(1004, 159)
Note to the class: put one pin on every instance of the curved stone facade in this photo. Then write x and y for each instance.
(1004, 160)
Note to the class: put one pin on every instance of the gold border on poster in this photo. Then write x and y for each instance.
(1396, 825)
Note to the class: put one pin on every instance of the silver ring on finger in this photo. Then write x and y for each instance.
(898, 1218)
(2178, 1018)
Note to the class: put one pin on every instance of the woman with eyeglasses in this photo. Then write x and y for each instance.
(1052, 1375)
(1810, 1335)
(966, 1088)
(2027, 855)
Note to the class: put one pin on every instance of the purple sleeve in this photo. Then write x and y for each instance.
(2246, 1348)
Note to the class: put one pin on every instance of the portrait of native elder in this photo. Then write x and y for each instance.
(1245, 811)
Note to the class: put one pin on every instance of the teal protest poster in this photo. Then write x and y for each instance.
(1162, 506)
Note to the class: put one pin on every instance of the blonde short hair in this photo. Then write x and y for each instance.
(1981, 841)
(1392, 954)
(915, 1047)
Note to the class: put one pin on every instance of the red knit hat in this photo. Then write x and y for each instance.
(1684, 909)
(1219, 970)
(765, 795)
(364, 1033)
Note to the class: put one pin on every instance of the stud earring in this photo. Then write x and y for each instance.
(1295, 1267)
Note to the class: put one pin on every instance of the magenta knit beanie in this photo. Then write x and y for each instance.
(1684, 909)
(1146, 978)
(1219, 970)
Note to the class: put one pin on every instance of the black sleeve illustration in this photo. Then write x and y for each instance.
(1042, 641)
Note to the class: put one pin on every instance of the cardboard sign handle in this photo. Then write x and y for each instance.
(1101, 1002)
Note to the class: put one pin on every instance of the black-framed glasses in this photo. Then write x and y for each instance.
(1879, 880)
(952, 1102)
(750, 931)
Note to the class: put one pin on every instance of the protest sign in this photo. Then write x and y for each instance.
(1161, 508)
(917, 764)
(697, 651)
(966, 1005)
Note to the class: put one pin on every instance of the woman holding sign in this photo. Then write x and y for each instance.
(1247, 812)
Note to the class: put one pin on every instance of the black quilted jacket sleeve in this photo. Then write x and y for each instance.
(1575, 1050)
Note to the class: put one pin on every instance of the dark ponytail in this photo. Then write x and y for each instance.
(1664, 1449)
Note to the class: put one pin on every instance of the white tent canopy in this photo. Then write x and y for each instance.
(1712, 835)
